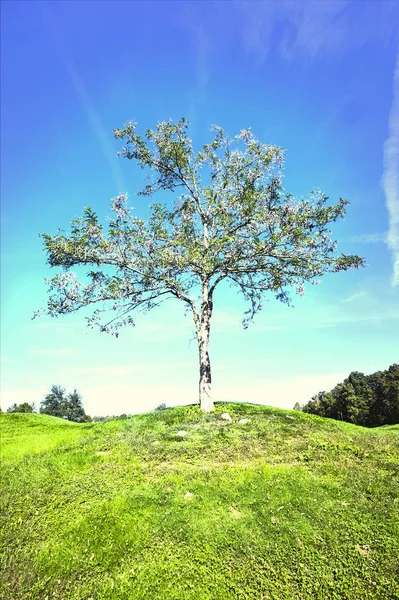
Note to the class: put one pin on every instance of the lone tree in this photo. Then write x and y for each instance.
(232, 221)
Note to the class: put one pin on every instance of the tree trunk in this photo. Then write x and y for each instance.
(205, 395)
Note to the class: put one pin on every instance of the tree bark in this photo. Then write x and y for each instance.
(203, 331)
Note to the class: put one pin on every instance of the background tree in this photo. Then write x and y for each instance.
(58, 404)
(25, 407)
(74, 408)
(391, 394)
(54, 402)
(360, 404)
(232, 222)
(321, 404)
(368, 400)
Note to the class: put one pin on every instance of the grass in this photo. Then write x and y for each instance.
(288, 506)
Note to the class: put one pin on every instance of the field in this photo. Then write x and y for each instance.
(285, 506)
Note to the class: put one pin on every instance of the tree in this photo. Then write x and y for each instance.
(54, 403)
(321, 404)
(361, 399)
(74, 408)
(25, 407)
(391, 394)
(58, 404)
(368, 400)
(233, 223)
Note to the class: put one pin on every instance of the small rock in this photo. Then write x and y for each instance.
(363, 549)
(244, 421)
(188, 496)
(225, 417)
(235, 513)
(181, 433)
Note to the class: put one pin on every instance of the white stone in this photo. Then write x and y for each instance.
(181, 433)
(225, 417)
(188, 496)
(244, 421)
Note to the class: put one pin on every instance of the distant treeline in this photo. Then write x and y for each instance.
(57, 403)
(368, 400)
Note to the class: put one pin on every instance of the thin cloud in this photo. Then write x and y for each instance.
(324, 320)
(53, 351)
(372, 318)
(189, 19)
(319, 27)
(123, 370)
(390, 178)
(355, 296)
(311, 29)
(100, 132)
(369, 238)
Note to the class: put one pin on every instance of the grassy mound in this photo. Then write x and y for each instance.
(284, 506)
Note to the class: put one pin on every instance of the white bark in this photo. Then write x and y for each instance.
(203, 331)
(205, 395)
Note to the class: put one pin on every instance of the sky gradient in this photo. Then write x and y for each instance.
(320, 79)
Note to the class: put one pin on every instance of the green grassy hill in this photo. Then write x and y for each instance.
(285, 506)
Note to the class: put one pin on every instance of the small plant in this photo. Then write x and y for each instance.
(161, 406)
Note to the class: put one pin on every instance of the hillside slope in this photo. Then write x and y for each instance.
(284, 506)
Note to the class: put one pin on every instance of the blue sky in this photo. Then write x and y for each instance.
(317, 78)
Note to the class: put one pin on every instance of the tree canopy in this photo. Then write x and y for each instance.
(66, 406)
(231, 222)
(24, 407)
(368, 400)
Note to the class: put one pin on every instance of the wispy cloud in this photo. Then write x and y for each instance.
(390, 179)
(356, 318)
(328, 317)
(355, 296)
(124, 370)
(66, 329)
(190, 18)
(310, 28)
(369, 238)
(53, 351)
(318, 27)
(101, 133)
